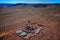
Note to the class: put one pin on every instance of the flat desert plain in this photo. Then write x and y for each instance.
(14, 18)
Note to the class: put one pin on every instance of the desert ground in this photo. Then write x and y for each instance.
(14, 18)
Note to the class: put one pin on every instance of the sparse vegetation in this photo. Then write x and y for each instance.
(14, 18)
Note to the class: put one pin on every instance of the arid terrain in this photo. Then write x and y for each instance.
(14, 18)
